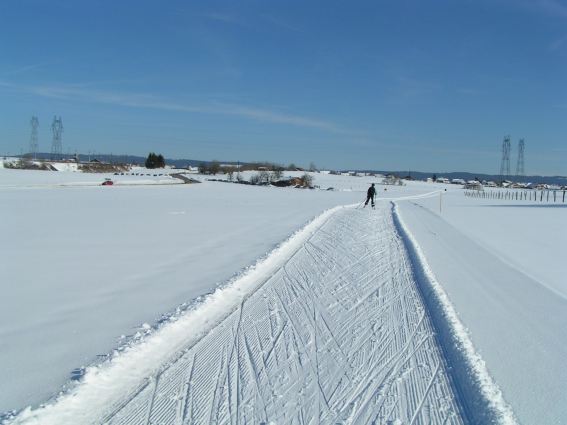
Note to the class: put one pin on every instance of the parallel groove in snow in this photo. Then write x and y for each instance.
(339, 334)
(480, 396)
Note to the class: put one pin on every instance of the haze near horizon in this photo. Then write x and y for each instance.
(365, 85)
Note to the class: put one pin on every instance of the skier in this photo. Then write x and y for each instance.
(370, 195)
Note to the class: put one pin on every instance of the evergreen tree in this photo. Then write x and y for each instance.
(155, 161)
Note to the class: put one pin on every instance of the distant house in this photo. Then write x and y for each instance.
(473, 184)
(392, 180)
(458, 181)
(519, 186)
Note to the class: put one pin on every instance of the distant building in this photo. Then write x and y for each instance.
(473, 184)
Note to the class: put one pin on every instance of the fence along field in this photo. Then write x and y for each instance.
(545, 195)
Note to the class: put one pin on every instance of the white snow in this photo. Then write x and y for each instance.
(529, 235)
(90, 270)
(475, 380)
(335, 332)
(485, 256)
(35, 179)
(83, 265)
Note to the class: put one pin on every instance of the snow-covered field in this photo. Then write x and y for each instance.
(339, 322)
(30, 179)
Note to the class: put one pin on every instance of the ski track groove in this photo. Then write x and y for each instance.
(338, 334)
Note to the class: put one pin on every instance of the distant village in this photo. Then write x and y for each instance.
(125, 165)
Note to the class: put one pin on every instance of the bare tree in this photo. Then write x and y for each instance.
(203, 169)
(214, 168)
(255, 179)
(312, 167)
(264, 176)
(307, 180)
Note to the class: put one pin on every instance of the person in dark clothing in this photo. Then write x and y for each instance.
(370, 194)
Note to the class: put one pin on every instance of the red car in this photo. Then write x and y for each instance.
(107, 183)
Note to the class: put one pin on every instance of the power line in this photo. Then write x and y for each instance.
(520, 164)
(34, 123)
(505, 163)
(56, 146)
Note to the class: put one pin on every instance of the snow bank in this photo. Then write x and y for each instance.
(480, 395)
(65, 166)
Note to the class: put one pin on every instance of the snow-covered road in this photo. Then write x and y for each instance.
(338, 334)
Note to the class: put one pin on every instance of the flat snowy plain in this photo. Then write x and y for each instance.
(116, 277)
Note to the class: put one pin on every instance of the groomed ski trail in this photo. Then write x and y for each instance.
(337, 334)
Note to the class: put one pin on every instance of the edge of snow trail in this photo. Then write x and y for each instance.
(481, 397)
(103, 383)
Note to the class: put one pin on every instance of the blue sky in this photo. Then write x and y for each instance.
(409, 85)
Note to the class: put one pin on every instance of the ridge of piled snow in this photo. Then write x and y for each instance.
(481, 396)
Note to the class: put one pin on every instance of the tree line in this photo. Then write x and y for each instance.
(155, 161)
(214, 167)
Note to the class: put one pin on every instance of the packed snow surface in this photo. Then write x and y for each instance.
(336, 333)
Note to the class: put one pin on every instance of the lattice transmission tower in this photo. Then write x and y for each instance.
(505, 164)
(34, 123)
(520, 164)
(56, 147)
